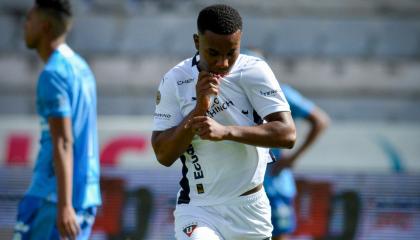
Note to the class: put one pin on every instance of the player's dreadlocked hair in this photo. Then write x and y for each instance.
(220, 19)
(59, 10)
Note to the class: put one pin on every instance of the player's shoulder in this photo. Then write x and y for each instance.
(182, 70)
(60, 61)
(52, 71)
(55, 71)
(246, 62)
(252, 68)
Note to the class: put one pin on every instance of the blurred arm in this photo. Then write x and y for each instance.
(318, 121)
(61, 133)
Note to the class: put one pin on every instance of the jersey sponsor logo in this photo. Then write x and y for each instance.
(188, 230)
(200, 188)
(198, 172)
(270, 92)
(219, 106)
(180, 82)
(163, 116)
(158, 96)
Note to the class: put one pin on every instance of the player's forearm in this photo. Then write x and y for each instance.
(309, 140)
(168, 145)
(63, 165)
(319, 121)
(274, 134)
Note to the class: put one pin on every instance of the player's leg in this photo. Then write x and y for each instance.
(35, 220)
(191, 224)
(283, 217)
(247, 217)
(194, 229)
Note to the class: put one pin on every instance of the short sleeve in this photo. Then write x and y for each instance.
(167, 113)
(53, 97)
(263, 89)
(300, 106)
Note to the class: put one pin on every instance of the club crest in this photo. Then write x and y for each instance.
(188, 230)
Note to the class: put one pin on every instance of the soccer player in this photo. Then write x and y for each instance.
(208, 114)
(64, 193)
(279, 181)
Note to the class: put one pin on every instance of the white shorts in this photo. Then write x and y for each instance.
(247, 217)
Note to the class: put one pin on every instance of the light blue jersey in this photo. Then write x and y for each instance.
(66, 88)
(284, 183)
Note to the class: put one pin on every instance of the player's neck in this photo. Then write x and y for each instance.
(47, 47)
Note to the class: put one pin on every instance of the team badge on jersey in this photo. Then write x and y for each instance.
(188, 230)
(158, 96)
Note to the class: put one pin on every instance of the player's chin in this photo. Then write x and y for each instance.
(222, 73)
(29, 44)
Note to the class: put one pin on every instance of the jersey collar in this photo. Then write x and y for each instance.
(65, 50)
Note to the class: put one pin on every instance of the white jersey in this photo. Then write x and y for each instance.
(216, 172)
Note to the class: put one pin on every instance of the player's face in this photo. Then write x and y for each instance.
(33, 28)
(218, 53)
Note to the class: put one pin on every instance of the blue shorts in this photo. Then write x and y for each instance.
(36, 220)
(283, 215)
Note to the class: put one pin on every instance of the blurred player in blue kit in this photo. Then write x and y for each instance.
(64, 193)
(279, 182)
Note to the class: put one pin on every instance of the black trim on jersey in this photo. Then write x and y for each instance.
(194, 60)
(184, 195)
(258, 120)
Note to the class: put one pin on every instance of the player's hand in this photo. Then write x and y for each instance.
(67, 222)
(207, 86)
(207, 128)
(286, 161)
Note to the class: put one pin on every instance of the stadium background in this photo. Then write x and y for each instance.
(359, 60)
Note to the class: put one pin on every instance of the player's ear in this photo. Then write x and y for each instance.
(196, 41)
(47, 25)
